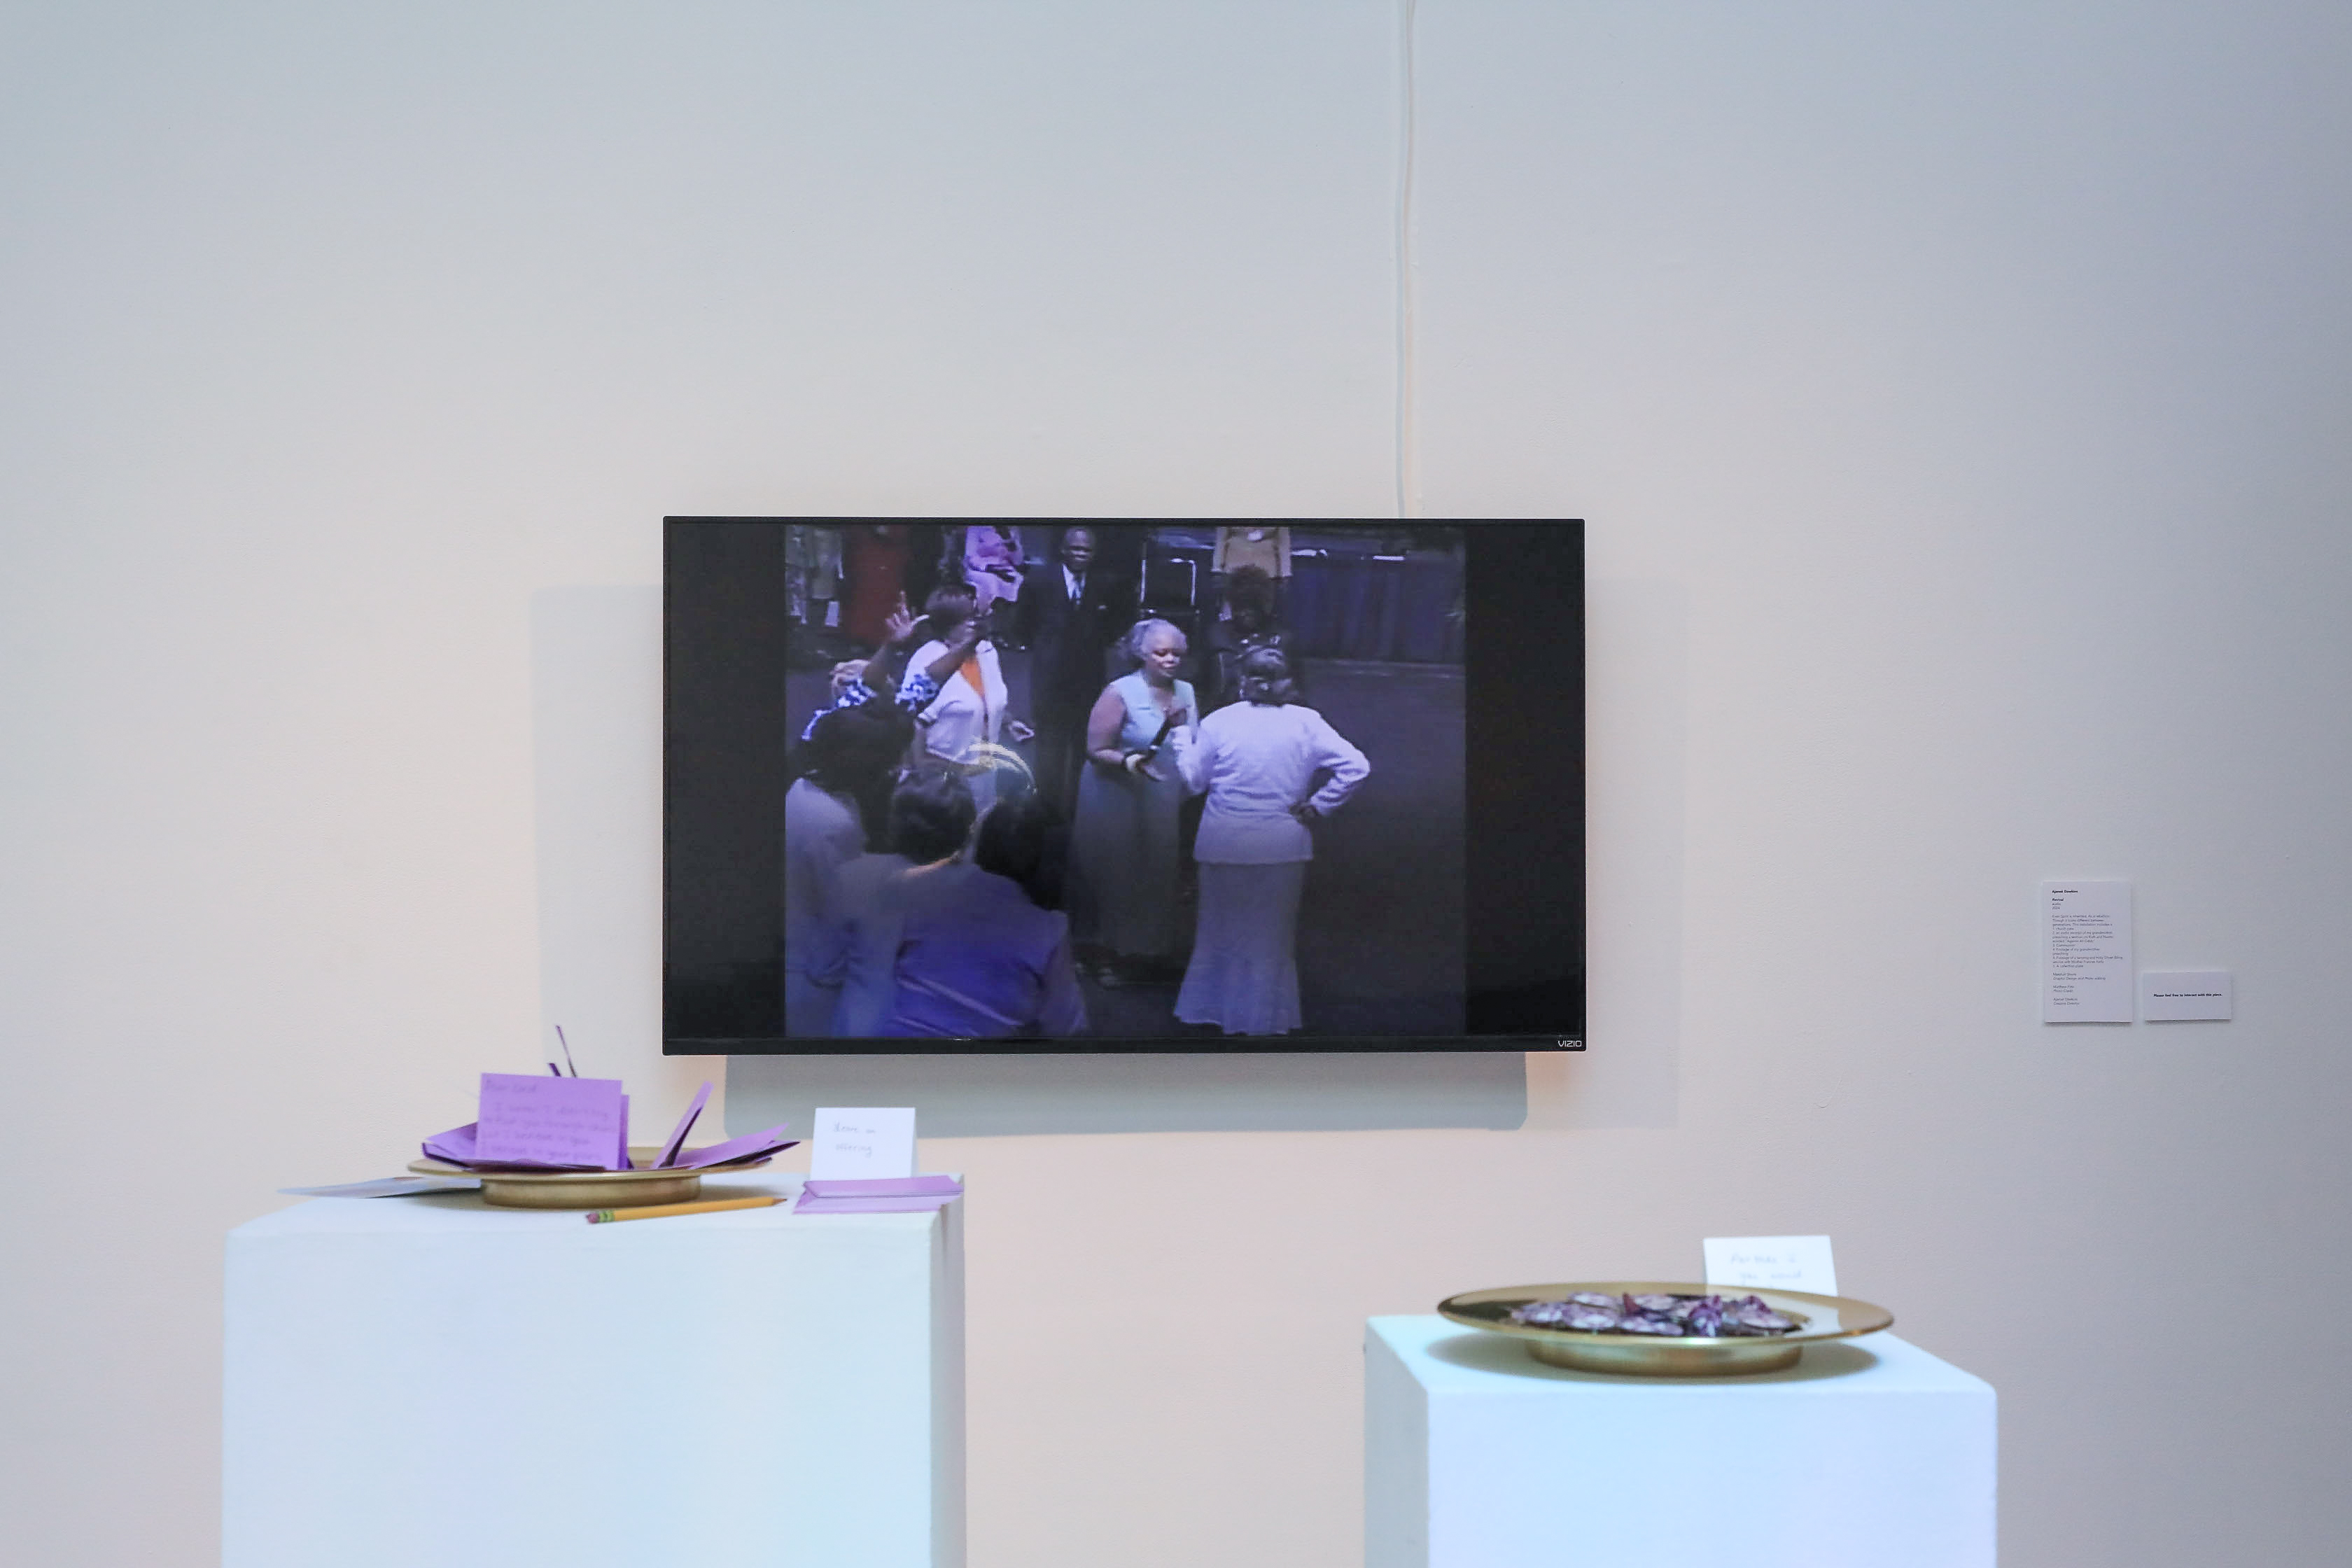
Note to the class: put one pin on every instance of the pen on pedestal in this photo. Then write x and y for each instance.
(656, 1211)
(567, 1053)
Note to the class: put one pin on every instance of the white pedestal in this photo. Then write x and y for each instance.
(1869, 1454)
(426, 1382)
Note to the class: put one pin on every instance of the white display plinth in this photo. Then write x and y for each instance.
(1868, 1454)
(426, 1382)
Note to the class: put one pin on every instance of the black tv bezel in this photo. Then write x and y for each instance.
(1525, 701)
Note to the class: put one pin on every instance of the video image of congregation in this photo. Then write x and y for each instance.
(1124, 780)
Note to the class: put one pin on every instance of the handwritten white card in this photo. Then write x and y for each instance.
(2185, 995)
(1771, 1263)
(2086, 952)
(862, 1144)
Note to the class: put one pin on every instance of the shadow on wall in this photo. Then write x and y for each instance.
(1637, 705)
(1221, 1091)
(597, 707)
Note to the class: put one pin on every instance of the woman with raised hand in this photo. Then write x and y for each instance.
(965, 724)
(1124, 845)
(1258, 761)
(860, 681)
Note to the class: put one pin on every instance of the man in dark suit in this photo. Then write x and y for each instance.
(1067, 615)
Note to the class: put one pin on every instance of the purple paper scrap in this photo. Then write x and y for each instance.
(885, 1187)
(750, 1146)
(456, 1145)
(905, 1204)
(685, 1125)
(877, 1195)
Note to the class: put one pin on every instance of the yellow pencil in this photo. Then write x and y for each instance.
(715, 1205)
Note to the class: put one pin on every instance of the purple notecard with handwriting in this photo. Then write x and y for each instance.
(577, 1122)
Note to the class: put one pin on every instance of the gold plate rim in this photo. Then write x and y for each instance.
(1865, 1317)
(432, 1167)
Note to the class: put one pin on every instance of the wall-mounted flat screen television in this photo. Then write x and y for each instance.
(1067, 784)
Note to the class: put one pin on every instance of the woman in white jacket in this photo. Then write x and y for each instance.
(1255, 760)
(965, 725)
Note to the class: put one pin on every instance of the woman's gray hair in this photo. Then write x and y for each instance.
(1132, 645)
(1266, 678)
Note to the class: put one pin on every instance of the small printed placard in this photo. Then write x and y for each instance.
(1771, 1263)
(2184, 996)
(862, 1144)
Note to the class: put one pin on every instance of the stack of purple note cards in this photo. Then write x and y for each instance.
(885, 1194)
(532, 1123)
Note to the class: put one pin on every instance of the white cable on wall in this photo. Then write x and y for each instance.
(1408, 477)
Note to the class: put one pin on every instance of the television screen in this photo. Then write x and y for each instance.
(1093, 784)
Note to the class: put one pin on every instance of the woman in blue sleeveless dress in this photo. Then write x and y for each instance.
(1124, 845)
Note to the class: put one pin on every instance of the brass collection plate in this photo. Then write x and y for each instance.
(1820, 1318)
(587, 1189)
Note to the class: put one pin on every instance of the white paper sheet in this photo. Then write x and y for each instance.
(1771, 1263)
(862, 1142)
(389, 1187)
(2086, 952)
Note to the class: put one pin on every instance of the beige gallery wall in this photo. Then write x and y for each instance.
(1956, 394)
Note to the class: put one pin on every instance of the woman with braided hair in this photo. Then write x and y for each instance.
(1256, 761)
(1124, 845)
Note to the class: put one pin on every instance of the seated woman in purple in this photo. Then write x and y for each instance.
(976, 958)
(930, 823)
(840, 771)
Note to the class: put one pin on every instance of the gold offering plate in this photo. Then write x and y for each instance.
(1819, 1318)
(586, 1189)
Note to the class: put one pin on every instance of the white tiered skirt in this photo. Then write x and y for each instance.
(1244, 976)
